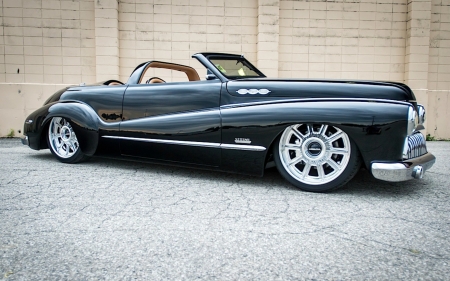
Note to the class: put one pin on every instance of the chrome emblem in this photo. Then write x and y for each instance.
(314, 148)
(253, 91)
(242, 140)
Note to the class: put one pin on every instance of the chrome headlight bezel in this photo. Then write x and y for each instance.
(421, 114)
(413, 121)
(405, 149)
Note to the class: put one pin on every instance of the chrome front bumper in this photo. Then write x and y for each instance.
(401, 171)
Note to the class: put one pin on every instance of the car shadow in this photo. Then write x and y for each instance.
(43, 156)
(362, 184)
(365, 184)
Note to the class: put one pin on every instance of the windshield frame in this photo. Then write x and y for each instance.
(204, 59)
(237, 59)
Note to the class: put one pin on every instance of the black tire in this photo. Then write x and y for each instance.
(305, 149)
(63, 143)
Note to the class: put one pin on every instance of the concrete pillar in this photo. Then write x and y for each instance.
(107, 39)
(268, 36)
(418, 48)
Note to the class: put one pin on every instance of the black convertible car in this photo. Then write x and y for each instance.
(317, 132)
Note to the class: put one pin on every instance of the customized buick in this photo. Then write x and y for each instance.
(318, 133)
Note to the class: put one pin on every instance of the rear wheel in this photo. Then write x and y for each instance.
(63, 142)
(316, 157)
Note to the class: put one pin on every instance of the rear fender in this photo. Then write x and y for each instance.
(84, 121)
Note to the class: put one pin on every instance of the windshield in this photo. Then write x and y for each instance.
(235, 67)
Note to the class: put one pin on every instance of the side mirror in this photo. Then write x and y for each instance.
(210, 76)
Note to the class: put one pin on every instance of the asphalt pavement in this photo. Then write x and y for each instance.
(117, 220)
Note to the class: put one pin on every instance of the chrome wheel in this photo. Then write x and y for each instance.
(314, 154)
(62, 139)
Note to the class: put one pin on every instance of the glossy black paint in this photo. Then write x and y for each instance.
(35, 129)
(82, 117)
(84, 122)
(185, 111)
(373, 114)
(197, 126)
(320, 89)
(106, 101)
(144, 100)
(263, 123)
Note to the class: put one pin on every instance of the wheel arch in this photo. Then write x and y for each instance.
(321, 169)
(377, 128)
(269, 154)
(83, 119)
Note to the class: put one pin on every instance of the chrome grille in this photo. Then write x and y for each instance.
(416, 145)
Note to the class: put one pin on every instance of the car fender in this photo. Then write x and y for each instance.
(377, 128)
(84, 121)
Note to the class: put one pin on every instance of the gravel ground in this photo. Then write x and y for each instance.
(117, 220)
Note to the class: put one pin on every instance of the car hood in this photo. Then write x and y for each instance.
(312, 88)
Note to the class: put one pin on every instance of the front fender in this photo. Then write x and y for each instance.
(83, 118)
(84, 121)
(377, 128)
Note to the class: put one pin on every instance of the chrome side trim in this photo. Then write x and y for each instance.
(188, 143)
(194, 143)
(243, 147)
(281, 100)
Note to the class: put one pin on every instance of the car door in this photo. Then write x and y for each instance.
(177, 122)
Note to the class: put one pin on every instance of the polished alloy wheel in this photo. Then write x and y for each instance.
(314, 154)
(62, 138)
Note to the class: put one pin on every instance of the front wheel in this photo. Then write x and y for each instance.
(316, 157)
(63, 142)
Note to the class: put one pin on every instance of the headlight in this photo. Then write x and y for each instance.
(412, 120)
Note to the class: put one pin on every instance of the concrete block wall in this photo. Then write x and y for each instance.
(343, 39)
(438, 92)
(107, 39)
(44, 46)
(417, 49)
(48, 44)
(268, 37)
(174, 30)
